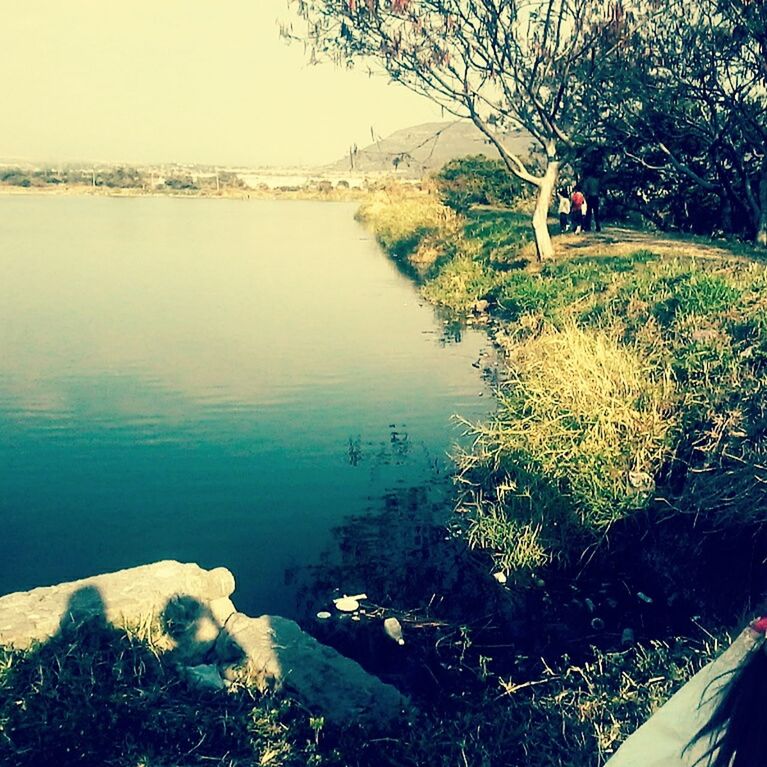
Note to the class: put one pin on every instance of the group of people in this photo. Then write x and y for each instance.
(580, 208)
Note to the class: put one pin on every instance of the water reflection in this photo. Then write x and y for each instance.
(213, 381)
(399, 553)
(382, 551)
(393, 452)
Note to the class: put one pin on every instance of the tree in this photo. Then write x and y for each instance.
(690, 114)
(500, 63)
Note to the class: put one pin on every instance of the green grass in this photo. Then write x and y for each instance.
(549, 475)
(403, 219)
(460, 283)
(583, 424)
(99, 695)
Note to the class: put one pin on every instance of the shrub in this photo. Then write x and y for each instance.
(460, 283)
(15, 178)
(477, 181)
(400, 221)
(581, 429)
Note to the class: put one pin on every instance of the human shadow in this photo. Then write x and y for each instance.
(95, 693)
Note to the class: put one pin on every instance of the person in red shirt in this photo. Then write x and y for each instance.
(578, 209)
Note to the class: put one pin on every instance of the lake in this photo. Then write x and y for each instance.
(248, 383)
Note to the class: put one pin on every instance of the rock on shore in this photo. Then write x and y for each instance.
(202, 632)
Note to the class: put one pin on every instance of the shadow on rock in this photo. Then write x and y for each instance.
(96, 694)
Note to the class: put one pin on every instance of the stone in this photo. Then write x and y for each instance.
(273, 653)
(221, 609)
(205, 677)
(127, 597)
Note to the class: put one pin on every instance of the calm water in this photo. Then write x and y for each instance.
(239, 383)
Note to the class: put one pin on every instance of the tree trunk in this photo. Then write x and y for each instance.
(543, 246)
(761, 228)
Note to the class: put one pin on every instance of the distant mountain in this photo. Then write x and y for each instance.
(425, 148)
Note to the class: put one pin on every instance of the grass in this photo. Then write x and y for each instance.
(99, 695)
(635, 368)
(95, 694)
(406, 223)
(582, 426)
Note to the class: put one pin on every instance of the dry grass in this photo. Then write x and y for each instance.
(96, 696)
(404, 219)
(582, 426)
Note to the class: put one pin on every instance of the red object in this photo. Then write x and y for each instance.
(760, 625)
(578, 199)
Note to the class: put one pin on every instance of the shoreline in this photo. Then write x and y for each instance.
(344, 195)
(553, 665)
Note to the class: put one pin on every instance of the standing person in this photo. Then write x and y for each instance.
(564, 208)
(591, 193)
(578, 209)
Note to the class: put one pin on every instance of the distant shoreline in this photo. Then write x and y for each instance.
(68, 190)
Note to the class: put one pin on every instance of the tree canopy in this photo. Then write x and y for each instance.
(500, 63)
(666, 98)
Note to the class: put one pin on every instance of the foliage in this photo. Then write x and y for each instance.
(469, 181)
(581, 429)
(460, 283)
(622, 367)
(15, 178)
(635, 380)
(180, 183)
(403, 221)
(684, 124)
(500, 65)
(121, 177)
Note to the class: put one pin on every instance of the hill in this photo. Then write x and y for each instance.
(420, 149)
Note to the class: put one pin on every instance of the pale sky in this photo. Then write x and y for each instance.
(206, 81)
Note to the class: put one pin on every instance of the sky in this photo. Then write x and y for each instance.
(191, 81)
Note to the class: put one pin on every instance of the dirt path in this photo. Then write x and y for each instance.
(622, 241)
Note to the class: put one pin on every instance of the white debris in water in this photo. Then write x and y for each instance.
(348, 604)
(644, 597)
(500, 576)
(393, 630)
(323, 615)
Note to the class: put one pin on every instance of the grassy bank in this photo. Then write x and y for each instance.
(622, 482)
(619, 489)
(634, 380)
(98, 695)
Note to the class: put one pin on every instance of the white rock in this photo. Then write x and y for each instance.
(125, 597)
(274, 653)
